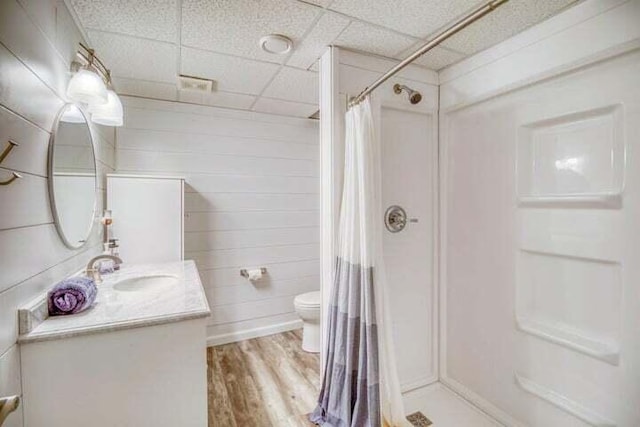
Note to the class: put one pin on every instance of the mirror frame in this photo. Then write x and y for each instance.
(50, 168)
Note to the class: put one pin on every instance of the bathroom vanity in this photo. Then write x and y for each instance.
(136, 358)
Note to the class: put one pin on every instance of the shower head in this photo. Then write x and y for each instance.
(414, 95)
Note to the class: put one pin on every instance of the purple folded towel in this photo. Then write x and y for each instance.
(72, 296)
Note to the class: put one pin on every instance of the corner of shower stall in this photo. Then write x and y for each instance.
(514, 285)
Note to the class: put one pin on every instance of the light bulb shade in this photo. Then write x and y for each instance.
(87, 87)
(73, 115)
(109, 114)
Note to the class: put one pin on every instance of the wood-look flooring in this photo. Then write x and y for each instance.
(263, 382)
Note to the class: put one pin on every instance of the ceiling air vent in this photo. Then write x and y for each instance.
(195, 84)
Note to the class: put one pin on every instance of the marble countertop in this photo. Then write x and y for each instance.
(116, 309)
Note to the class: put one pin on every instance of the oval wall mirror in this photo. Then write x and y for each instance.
(72, 176)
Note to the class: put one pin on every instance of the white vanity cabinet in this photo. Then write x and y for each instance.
(144, 377)
(148, 216)
(137, 358)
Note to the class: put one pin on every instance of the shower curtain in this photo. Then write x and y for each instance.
(360, 387)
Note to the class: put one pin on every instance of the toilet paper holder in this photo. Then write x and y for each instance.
(244, 273)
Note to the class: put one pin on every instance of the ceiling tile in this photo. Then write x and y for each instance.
(218, 99)
(436, 58)
(231, 74)
(418, 18)
(153, 19)
(145, 89)
(321, 3)
(285, 108)
(314, 44)
(235, 27)
(136, 58)
(368, 38)
(506, 21)
(293, 84)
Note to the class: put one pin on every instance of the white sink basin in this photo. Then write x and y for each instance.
(154, 283)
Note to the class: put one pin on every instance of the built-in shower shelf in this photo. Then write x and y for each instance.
(564, 403)
(604, 200)
(558, 335)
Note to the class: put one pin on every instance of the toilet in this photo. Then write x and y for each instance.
(308, 308)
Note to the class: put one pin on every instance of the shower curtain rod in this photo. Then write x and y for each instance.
(464, 22)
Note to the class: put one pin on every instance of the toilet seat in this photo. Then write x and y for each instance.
(308, 300)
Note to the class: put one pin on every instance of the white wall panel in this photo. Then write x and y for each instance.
(210, 221)
(31, 156)
(25, 202)
(37, 43)
(251, 200)
(216, 202)
(541, 298)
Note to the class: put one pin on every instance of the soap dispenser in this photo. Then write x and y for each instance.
(114, 249)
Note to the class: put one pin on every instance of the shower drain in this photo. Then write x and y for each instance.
(419, 420)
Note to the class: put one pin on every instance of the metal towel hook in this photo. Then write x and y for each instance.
(8, 405)
(7, 150)
(15, 176)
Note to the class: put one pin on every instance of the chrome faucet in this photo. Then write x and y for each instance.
(94, 272)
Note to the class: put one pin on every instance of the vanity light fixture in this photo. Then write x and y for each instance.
(109, 114)
(92, 85)
(86, 85)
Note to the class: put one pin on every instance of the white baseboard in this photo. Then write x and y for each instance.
(480, 403)
(418, 383)
(247, 334)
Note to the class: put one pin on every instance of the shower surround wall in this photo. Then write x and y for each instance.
(540, 176)
(38, 41)
(251, 200)
(537, 263)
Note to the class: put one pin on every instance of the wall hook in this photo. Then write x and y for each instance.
(15, 176)
(7, 406)
(7, 150)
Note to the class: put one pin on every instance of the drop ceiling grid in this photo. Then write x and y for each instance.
(151, 19)
(218, 40)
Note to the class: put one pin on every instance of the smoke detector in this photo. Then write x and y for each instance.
(194, 84)
(276, 44)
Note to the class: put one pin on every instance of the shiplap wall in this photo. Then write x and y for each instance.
(38, 40)
(252, 183)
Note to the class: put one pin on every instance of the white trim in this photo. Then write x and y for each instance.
(127, 175)
(442, 240)
(481, 403)
(418, 383)
(247, 334)
(177, 107)
(330, 177)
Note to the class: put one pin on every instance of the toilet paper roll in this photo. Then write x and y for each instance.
(254, 274)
